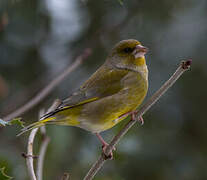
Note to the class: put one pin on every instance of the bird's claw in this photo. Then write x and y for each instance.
(140, 119)
(110, 155)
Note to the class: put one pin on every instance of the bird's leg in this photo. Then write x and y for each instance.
(133, 116)
(104, 146)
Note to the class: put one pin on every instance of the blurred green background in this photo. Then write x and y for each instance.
(40, 38)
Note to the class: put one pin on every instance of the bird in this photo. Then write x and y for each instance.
(111, 94)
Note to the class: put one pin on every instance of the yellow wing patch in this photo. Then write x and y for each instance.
(80, 103)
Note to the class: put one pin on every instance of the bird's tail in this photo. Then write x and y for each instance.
(36, 125)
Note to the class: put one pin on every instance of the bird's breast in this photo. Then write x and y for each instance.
(100, 115)
(135, 89)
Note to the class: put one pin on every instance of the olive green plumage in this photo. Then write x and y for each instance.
(117, 87)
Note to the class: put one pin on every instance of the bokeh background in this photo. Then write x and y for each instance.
(40, 38)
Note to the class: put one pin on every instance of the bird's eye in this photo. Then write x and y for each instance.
(128, 50)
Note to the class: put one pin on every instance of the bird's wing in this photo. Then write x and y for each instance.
(104, 82)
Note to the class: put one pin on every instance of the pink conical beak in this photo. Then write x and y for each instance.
(140, 51)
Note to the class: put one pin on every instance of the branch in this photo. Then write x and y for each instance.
(184, 66)
(29, 156)
(44, 92)
(43, 148)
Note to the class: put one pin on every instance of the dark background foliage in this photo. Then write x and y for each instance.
(40, 38)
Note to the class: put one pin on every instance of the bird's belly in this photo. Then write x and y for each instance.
(103, 114)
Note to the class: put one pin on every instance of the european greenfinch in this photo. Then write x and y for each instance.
(115, 90)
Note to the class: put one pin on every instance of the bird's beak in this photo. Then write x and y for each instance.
(139, 51)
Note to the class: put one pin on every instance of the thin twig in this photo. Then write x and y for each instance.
(29, 156)
(43, 148)
(184, 66)
(44, 92)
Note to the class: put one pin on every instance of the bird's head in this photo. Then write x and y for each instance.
(128, 53)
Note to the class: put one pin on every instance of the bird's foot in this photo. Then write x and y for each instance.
(141, 120)
(133, 117)
(110, 155)
(104, 147)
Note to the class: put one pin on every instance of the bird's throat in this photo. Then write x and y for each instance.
(140, 61)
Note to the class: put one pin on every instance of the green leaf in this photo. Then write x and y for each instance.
(15, 121)
(5, 176)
